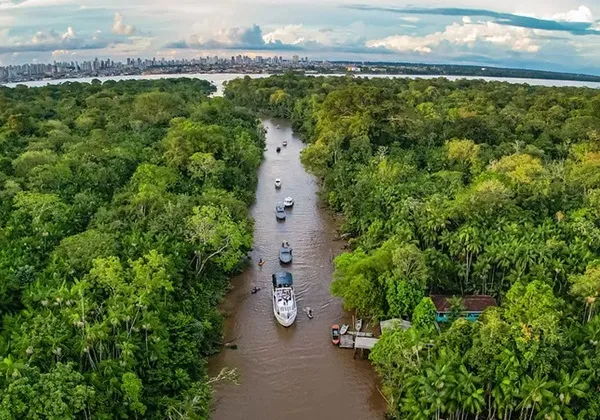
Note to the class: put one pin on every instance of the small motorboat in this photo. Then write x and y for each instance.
(254, 289)
(279, 212)
(358, 325)
(278, 183)
(285, 253)
(284, 143)
(261, 262)
(278, 149)
(344, 329)
(335, 334)
(288, 202)
(309, 313)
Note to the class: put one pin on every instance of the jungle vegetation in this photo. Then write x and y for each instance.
(465, 187)
(123, 213)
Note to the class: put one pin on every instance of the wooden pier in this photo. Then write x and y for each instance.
(362, 344)
(347, 341)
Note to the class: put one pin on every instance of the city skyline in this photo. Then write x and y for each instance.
(562, 36)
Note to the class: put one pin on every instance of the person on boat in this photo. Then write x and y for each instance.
(260, 262)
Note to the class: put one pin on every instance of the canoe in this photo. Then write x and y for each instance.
(335, 334)
(344, 329)
(358, 324)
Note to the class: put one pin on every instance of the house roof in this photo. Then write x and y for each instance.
(474, 303)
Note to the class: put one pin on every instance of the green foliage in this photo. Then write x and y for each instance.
(424, 315)
(456, 188)
(103, 220)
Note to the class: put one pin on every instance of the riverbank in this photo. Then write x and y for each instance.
(293, 373)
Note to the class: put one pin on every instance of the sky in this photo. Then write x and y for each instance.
(559, 35)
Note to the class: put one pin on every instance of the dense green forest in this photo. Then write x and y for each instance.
(123, 213)
(465, 187)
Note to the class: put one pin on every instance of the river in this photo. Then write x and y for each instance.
(218, 79)
(291, 373)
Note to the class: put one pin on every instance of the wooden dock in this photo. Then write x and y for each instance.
(360, 334)
(347, 341)
(364, 343)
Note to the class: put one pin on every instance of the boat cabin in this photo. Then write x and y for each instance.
(474, 304)
(282, 279)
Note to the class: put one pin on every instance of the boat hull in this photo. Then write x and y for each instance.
(286, 322)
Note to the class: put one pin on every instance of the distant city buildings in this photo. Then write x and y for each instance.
(243, 64)
(134, 66)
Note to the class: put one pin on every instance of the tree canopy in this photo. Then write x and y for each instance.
(456, 188)
(122, 216)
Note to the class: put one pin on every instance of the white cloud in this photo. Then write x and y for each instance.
(300, 34)
(50, 37)
(8, 4)
(581, 14)
(467, 33)
(63, 53)
(411, 19)
(120, 27)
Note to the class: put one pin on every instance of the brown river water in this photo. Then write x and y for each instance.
(291, 373)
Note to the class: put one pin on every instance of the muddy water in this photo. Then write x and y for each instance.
(291, 373)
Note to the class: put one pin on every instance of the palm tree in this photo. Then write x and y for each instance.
(535, 395)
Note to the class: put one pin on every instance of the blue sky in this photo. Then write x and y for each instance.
(560, 35)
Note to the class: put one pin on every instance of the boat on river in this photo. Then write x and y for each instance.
(278, 183)
(358, 325)
(278, 149)
(284, 143)
(288, 202)
(344, 329)
(285, 253)
(284, 300)
(335, 334)
(280, 212)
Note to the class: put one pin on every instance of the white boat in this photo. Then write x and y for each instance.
(284, 143)
(288, 202)
(284, 301)
(358, 324)
(278, 183)
(344, 329)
